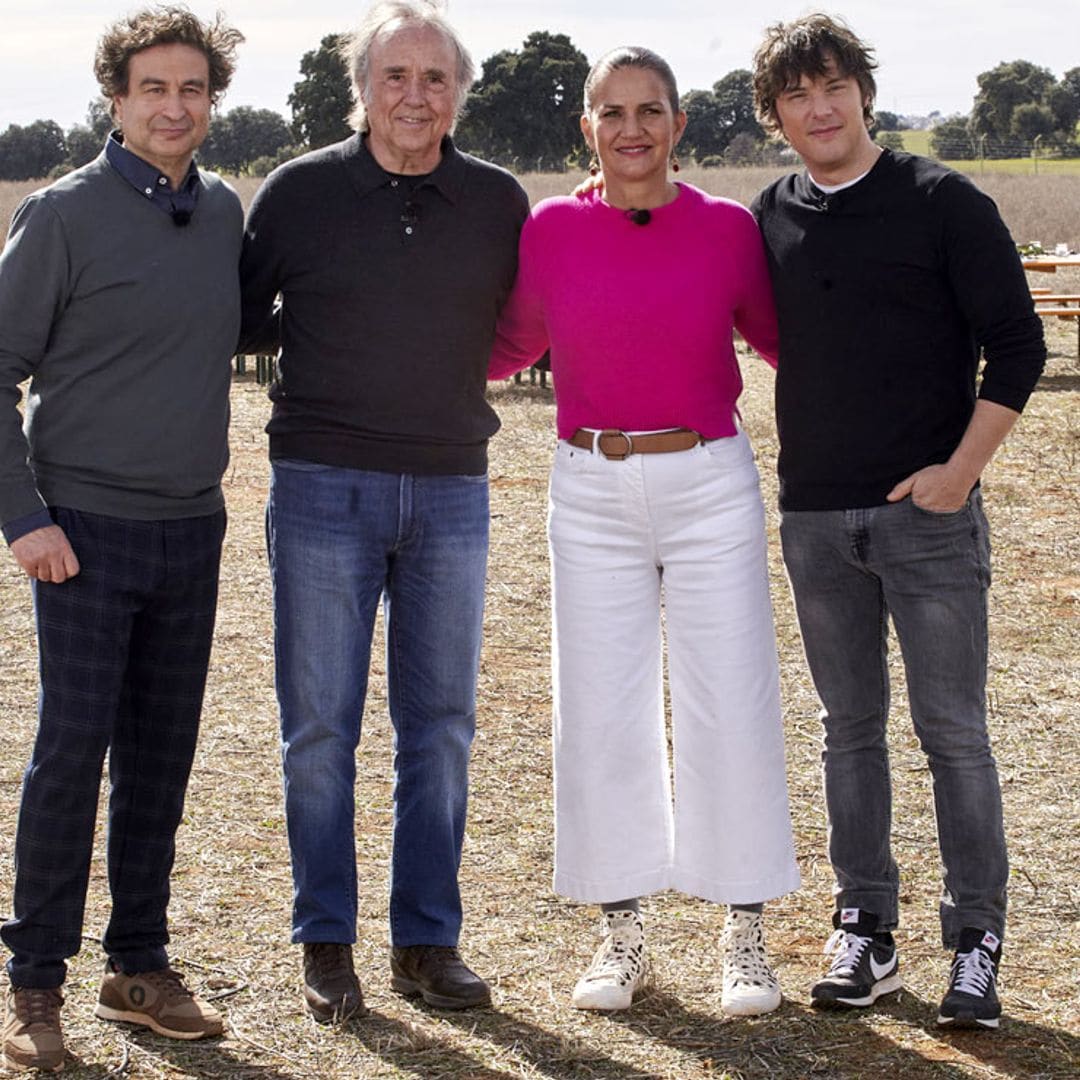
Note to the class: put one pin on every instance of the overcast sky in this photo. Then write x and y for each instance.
(929, 51)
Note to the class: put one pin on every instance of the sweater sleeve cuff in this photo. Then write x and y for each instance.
(1012, 397)
(20, 526)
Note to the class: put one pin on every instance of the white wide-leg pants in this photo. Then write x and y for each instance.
(686, 529)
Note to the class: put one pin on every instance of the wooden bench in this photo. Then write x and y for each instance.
(1050, 305)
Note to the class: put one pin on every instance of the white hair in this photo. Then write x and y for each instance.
(386, 18)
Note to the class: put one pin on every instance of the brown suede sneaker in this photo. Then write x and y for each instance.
(439, 975)
(32, 1035)
(331, 989)
(158, 1000)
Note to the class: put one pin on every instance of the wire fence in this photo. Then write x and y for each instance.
(993, 154)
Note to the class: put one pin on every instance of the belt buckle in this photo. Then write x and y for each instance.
(614, 456)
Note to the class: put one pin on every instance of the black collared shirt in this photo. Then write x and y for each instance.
(151, 182)
(390, 298)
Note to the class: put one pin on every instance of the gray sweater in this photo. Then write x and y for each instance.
(126, 325)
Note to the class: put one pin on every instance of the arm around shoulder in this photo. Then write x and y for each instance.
(260, 277)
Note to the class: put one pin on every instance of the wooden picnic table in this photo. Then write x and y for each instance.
(1048, 264)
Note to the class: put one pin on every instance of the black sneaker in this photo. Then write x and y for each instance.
(971, 1000)
(864, 963)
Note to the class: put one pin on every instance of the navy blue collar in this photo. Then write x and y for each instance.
(152, 183)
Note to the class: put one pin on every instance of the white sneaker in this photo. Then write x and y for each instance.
(617, 970)
(750, 987)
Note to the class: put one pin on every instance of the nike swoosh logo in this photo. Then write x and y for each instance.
(881, 970)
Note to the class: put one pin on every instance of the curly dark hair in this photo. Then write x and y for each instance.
(165, 25)
(808, 46)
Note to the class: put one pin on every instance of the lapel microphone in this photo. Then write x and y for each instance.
(181, 217)
(639, 217)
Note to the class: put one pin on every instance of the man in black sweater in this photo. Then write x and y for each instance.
(893, 276)
(392, 253)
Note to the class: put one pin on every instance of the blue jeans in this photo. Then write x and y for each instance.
(339, 539)
(850, 570)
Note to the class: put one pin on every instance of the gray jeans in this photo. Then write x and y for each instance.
(850, 570)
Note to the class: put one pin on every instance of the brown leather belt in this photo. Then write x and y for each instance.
(616, 445)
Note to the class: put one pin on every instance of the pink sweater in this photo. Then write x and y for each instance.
(639, 317)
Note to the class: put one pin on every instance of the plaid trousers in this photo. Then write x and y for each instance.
(124, 648)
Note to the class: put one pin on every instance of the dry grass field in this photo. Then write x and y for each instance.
(230, 909)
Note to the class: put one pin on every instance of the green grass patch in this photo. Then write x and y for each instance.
(918, 142)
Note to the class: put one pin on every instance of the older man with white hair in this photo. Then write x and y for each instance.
(392, 253)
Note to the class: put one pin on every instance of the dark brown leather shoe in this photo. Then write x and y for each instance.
(439, 975)
(331, 988)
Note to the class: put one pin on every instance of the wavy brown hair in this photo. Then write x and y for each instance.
(809, 46)
(165, 25)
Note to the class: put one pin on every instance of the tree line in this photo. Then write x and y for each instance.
(1019, 106)
(522, 112)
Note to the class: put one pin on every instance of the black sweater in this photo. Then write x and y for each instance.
(887, 293)
(390, 293)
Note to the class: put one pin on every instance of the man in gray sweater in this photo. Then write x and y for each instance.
(119, 300)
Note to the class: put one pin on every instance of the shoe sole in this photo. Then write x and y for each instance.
(886, 986)
(104, 1012)
(639, 991)
(336, 1016)
(751, 1008)
(15, 1066)
(596, 1006)
(408, 988)
(968, 1022)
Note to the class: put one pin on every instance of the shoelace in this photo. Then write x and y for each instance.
(170, 983)
(614, 958)
(848, 949)
(440, 956)
(746, 956)
(972, 972)
(330, 959)
(34, 1006)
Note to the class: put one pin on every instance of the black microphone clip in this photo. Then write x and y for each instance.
(180, 218)
(639, 217)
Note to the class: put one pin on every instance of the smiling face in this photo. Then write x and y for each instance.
(822, 117)
(165, 113)
(410, 98)
(632, 129)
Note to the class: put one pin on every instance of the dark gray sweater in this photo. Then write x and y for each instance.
(126, 325)
(390, 295)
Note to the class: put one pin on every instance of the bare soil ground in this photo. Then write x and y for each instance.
(232, 890)
(230, 911)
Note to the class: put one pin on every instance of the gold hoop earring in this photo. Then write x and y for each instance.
(594, 166)
(674, 162)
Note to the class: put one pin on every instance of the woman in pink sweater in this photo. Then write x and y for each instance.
(655, 509)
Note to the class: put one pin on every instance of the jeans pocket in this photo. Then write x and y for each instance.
(939, 513)
(572, 459)
(730, 451)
